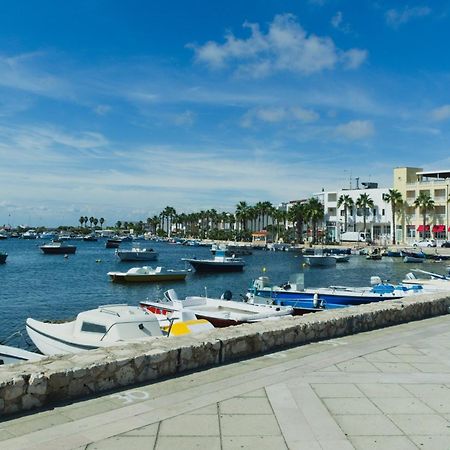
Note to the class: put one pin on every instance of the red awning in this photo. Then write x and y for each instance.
(420, 228)
(438, 228)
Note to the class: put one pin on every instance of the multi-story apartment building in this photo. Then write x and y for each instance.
(410, 182)
(378, 218)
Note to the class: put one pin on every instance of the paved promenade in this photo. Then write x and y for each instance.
(386, 389)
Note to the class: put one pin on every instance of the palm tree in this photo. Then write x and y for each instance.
(347, 202)
(102, 221)
(242, 214)
(393, 197)
(85, 220)
(258, 213)
(425, 203)
(297, 215)
(81, 220)
(315, 213)
(267, 209)
(119, 224)
(95, 221)
(91, 220)
(364, 202)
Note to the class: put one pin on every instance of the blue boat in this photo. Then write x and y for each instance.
(290, 294)
(3, 257)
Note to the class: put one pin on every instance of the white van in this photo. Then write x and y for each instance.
(354, 236)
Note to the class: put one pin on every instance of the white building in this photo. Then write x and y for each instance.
(378, 218)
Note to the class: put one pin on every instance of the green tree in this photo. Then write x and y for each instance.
(364, 202)
(297, 214)
(347, 202)
(315, 213)
(102, 221)
(426, 204)
(393, 197)
(242, 210)
(81, 220)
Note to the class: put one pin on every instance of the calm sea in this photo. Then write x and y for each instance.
(53, 287)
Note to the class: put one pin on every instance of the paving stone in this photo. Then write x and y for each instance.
(245, 405)
(187, 443)
(432, 368)
(405, 350)
(149, 430)
(421, 424)
(257, 393)
(79, 411)
(357, 365)
(254, 442)
(402, 406)
(5, 435)
(391, 390)
(396, 367)
(382, 443)
(367, 425)
(417, 359)
(440, 404)
(427, 390)
(123, 442)
(38, 422)
(336, 390)
(431, 442)
(350, 406)
(332, 368)
(248, 425)
(382, 356)
(210, 409)
(188, 425)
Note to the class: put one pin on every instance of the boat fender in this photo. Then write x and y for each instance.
(316, 300)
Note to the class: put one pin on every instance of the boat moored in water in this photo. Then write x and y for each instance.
(148, 275)
(220, 263)
(58, 248)
(137, 254)
(12, 355)
(3, 257)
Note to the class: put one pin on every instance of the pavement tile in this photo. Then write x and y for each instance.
(332, 368)
(249, 425)
(148, 430)
(382, 356)
(336, 445)
(432, 368)
(367, 425)
(402, 405)
(439, 404)
(122, 442)
(258, 393)
(336, 390)
(399, 367)
(357, 365)
(374, 390)
(382, 443)
(189, 425)
(91, 409)
(427, 390)
(40, 422)
(350, 406)
(187, 443)
(417, 359)
(431, 442)
(245, 405)
(421, 424)
(254, 442)
(210, 409)
(405, 350)
(5, 435)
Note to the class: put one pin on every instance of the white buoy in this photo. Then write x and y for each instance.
(316, 300)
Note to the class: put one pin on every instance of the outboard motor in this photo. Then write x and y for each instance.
(227, 295)
(171, 295)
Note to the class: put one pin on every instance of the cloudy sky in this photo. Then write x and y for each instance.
(117, 109)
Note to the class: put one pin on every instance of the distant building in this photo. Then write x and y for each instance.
(410, 182)
(378, 218)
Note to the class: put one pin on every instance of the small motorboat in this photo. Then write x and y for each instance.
(220, 263)
(434, 281)
(12, 355)
(220, 312)
(320, 260)
(58, 248)
(113, 243)
(341, 258)
(148, 275)
(137, 254)
(3, 257)
(413, 259)
(105, 326)
(90, 238)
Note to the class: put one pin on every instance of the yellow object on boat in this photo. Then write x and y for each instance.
(188, 327)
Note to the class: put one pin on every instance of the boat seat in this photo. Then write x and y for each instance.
(191, 301)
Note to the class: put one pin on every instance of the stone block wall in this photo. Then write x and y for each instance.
(27, 386)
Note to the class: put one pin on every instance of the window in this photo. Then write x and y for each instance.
(93, 328)
(382, 212)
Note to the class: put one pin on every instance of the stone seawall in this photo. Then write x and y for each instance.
(28, 386)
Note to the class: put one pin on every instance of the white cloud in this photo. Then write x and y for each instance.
(441, 113)
(286, 47)
(336, 20)
(278, 114)
(356, 129)
(102, 110)
(395, 17)
(186, 118)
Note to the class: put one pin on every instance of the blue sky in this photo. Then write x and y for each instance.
(117, 109)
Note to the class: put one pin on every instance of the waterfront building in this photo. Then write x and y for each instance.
(410, 182)
(378, 218)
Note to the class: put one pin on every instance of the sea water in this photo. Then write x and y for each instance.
(52, 287)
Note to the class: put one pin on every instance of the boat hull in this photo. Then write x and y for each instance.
(12, 355)
(124, 278)
(137, 256)
(3, 257)
(212, 266)
(67, 250)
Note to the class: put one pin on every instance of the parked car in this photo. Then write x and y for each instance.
(425, 243)
(445, 244)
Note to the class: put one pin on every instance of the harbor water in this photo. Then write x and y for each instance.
(52, 287)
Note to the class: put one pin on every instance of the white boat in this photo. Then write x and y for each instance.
(105, 326)
(341, 258)
(434, 282)
(148, 274)
(220, 263)
(320, 260)
(30, 234)
(219, 312)
(137, 254)
(12, 355)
